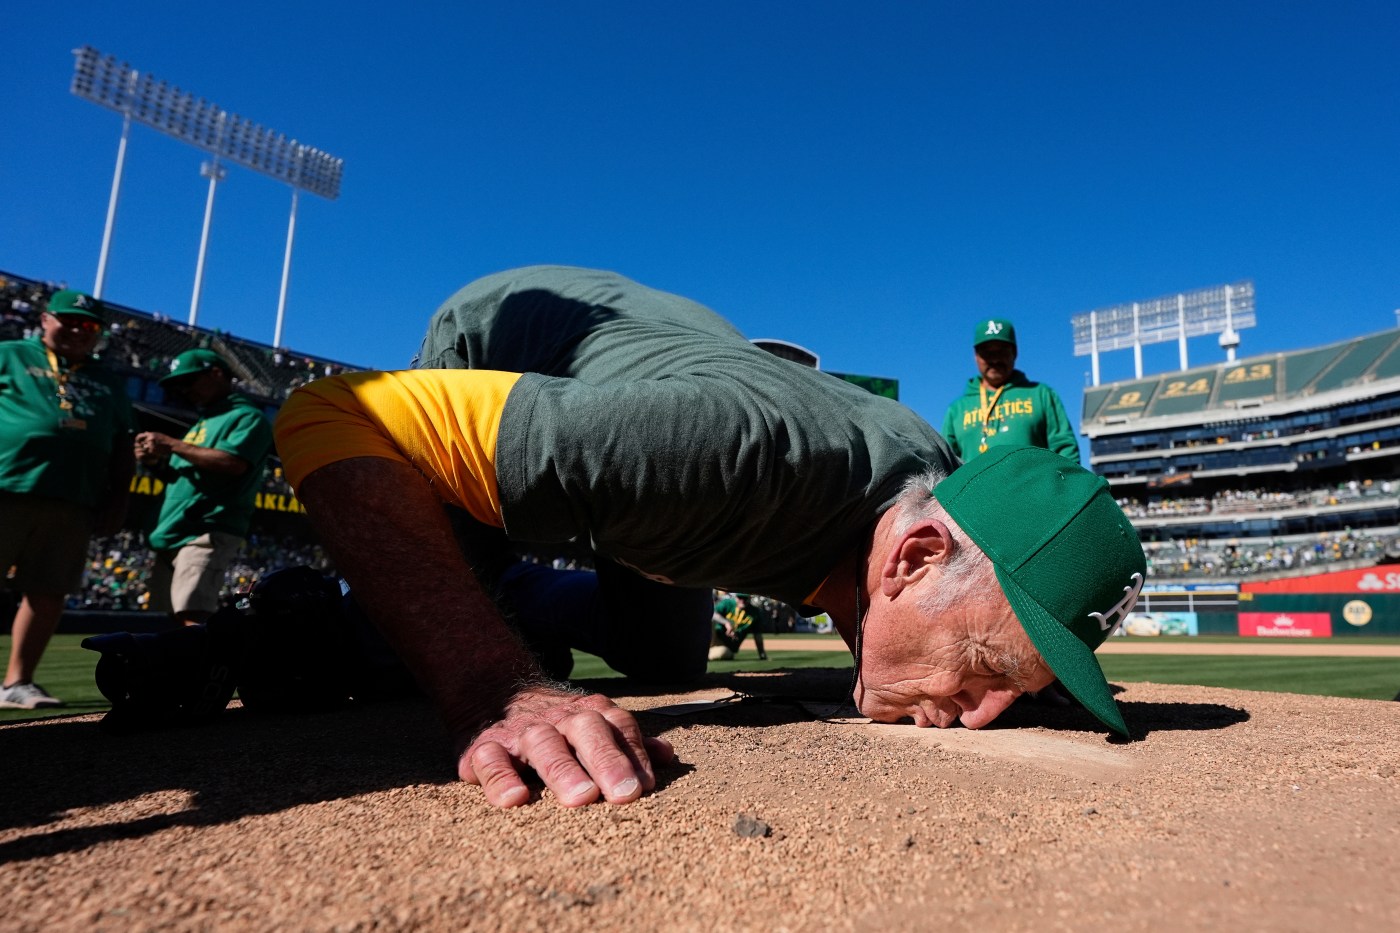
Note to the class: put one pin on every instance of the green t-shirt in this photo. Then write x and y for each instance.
(46, 450)
(564, 321)
(743, 618)
(1026, 414)
(198, 501)
(675, 446)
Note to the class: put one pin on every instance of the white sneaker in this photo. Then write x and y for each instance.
(26, 696)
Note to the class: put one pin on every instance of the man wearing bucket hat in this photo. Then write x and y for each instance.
(65, 473)
(213, 475)
(1001, 407)
(653, 432)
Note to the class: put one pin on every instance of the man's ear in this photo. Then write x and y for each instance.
(924, 545)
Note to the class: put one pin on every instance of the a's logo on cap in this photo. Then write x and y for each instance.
(174, 365)
(1120, 609)
(81, 301)
(993, 328)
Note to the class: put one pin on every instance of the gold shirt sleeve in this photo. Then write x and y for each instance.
(444, 422)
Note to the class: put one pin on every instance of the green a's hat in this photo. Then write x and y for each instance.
(1066, 556)
(76, 303)
(192, 363)
(994, 329)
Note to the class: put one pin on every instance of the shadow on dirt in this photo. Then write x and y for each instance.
(236, 766)
(778, 697)
(242, 764)
(1142, 718)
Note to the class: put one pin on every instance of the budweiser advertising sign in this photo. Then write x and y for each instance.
(1286, 624)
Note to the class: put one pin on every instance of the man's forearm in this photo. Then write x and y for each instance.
(387, 533)
(210, 459)
(384, 525)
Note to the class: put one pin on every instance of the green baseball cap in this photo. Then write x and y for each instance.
(192, 363)
(76, 303)
(996, 328)
(1067, 558)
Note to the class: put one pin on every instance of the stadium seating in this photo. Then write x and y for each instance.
(1270, 465)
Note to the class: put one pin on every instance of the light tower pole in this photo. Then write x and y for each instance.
(112, 202)
(223, 135)
(216, 173)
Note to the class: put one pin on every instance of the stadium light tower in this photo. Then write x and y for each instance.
(1219, 309)
(216, 173)
(141, 97)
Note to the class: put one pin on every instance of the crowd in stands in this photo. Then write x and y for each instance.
(1190, 557)
(119, 568)
(119, 565)
(145, 343)
(1235, 502)
(20, 304)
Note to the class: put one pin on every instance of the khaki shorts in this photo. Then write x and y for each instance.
(188, 578)
(45, 541)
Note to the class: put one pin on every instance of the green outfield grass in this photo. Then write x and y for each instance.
(67, 671)
(1363, 678)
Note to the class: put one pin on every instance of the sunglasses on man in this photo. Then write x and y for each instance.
(85, 324)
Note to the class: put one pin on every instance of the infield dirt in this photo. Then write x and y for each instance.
(1229, 809)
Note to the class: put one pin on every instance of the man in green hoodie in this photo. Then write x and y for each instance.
(214, 473)
(1001, 407)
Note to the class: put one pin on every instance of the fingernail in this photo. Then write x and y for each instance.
(580, 789)
(625, 788)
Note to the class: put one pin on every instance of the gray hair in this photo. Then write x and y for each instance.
(968, 576)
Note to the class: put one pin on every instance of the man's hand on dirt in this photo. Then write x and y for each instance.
(581, 746)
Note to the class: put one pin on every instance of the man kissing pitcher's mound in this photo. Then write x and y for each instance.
(571, 405)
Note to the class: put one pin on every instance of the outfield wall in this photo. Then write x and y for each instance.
(1343, 604)
(1354, 603)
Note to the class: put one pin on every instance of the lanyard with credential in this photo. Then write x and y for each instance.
(65, 403)
(987, 408)
(60, 379)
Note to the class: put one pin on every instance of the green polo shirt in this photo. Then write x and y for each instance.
(198, 501)
(45, 449)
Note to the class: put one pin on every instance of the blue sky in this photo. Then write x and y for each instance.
(867, 179)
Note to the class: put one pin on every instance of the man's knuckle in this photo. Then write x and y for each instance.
(556, 769)
(490, 773)
(597, 702)
(538, 733)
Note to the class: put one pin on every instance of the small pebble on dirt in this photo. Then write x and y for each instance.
(746, 825)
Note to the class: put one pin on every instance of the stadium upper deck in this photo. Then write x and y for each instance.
(1282, 412)
(1294, 425)
(139, 345)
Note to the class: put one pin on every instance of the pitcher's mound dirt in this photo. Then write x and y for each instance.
(1231, 809)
